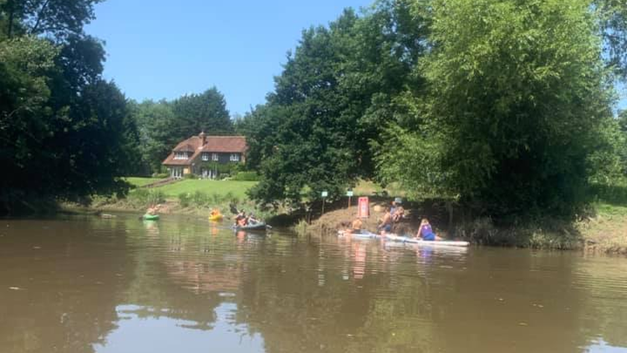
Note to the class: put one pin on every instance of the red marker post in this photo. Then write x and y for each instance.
(363, 207)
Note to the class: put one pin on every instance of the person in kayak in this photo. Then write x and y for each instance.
(214, 212)
(153, 209)
(251, 220)
(425, 232)
(241, 219)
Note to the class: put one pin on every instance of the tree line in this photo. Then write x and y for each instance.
(66, 133)
(503, 106)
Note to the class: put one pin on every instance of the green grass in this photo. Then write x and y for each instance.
(610, 210)
(615, 194)
(236, 188)
(368, 188)
(140, 181)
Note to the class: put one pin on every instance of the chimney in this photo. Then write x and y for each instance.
(202, 136)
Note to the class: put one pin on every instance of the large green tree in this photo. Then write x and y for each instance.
(64, 132)
(612, 17)
(202, 112)
(517, 93)
(56, 18)
(333, 97)
(622, 119)
(157, 131)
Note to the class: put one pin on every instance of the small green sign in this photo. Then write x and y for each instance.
(324, 193)
(350, 193)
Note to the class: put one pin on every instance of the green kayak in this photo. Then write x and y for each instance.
(150, 217)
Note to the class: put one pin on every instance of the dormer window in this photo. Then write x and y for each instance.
(181, 155)
(205, 157)
(234, 157)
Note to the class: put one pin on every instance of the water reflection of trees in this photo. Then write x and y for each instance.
(68, 290)
(310, 295)
(299, 294)
(184, 273)
(295, 312)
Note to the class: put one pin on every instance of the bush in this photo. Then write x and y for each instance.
(301, 228)
(160, 175)
(545, 233)
(611, 194)
(184, 200)
(217, 198)
(200, 199)
(248, 176)
(143, 197)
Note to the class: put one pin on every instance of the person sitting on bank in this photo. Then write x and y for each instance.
(387, 223)
(356, 226)
(393, 207)
(398, 214)
(425, 232)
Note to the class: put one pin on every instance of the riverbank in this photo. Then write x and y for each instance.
(605, 231)
(168, 207)
(194, 197)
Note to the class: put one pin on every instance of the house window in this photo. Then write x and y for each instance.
(176, 172)
(234, 157)
(214, 156)
(205, 157)
(181, 155)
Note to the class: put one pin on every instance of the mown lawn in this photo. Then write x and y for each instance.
(236, 188)
(140, 181)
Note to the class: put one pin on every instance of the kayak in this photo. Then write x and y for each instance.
(258, 226)
(150, 217)
(216, 217)
(409, 240)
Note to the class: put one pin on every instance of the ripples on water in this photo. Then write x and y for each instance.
(183, 284)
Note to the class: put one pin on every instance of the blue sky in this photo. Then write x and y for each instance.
(163, 49)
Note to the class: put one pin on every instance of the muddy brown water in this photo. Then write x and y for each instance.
(183, 284)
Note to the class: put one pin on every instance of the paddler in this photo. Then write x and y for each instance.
(386, 224)
(425, 232)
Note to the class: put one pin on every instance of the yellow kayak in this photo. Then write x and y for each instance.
(216, 217)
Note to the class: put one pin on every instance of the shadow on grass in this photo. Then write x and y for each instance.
(609, 194)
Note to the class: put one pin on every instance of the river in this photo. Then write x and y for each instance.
(183, 284)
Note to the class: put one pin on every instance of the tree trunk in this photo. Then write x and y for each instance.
(11, 12)
(450, 208)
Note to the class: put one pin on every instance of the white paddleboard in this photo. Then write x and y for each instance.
(409, 240)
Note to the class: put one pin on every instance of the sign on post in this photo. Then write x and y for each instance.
(323, 195)
(349, 194)
(363, 207)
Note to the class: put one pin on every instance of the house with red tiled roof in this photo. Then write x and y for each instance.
(205, 156)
